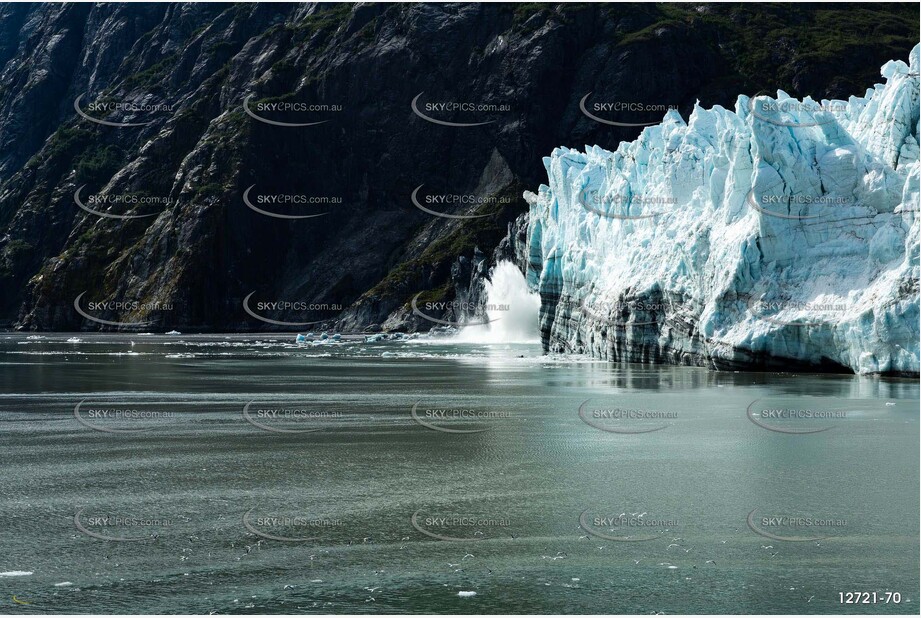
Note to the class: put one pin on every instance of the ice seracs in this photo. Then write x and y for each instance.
(782, 234)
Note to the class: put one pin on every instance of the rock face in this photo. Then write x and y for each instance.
(137, 110)
(782, 234)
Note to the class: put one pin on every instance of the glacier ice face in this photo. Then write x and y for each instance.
(782, 234)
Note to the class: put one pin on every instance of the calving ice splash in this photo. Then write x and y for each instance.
(511, 310)
(781, 234)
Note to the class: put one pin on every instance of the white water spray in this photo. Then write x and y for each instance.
(511, 308)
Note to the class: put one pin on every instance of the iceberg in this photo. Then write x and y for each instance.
(780, 235)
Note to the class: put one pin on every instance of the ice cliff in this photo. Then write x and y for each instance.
(783, 234)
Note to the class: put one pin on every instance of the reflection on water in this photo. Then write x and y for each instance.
(527, 505)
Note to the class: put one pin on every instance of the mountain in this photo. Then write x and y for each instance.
(781, 234)
(146, 149)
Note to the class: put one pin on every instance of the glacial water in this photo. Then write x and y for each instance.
(168, 487)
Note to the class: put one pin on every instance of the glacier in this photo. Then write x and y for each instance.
(781, 235)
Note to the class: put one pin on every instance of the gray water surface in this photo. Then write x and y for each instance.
(176, 509)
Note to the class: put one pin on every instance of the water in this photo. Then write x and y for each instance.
(349, 466)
